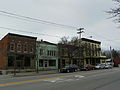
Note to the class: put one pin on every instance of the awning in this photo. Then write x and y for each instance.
(95, 57)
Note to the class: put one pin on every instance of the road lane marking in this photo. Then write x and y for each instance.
(73, 78)
(79, 76)
(31, 81)
(54, 80)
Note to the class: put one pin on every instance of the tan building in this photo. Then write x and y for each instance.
(85, 51)
(92, 52)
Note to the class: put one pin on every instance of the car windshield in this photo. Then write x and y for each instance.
(98, 65)
(67, 66)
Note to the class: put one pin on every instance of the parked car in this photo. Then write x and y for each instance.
(108, 66)
(87, 67)
(69, 68)
(102, 66)
(98, 66)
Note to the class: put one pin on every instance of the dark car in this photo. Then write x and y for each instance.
(69, 68)
(87, 67)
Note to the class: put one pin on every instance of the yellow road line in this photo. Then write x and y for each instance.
(42, 79)
(30, 81)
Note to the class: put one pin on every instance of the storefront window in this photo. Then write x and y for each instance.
(52, 62)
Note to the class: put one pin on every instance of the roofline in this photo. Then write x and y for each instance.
(90, 40)
(46, 42)
(13, 34)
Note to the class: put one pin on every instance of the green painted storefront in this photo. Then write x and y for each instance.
(46, 55)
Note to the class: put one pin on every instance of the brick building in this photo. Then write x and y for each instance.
(116, 61)
(17, 51)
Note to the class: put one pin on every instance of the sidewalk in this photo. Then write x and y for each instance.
(35, 73)
(22, 74)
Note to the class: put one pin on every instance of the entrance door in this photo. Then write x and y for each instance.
(45, 63)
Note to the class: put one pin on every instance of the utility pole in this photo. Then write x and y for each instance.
(80, 31)
(111, 56)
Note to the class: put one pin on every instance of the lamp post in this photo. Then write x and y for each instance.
(80, 31)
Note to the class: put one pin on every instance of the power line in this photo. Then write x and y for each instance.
(106, 39)
(27, 18)
(13, 15)
(11, 29)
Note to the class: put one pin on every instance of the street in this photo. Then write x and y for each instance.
(108, 79)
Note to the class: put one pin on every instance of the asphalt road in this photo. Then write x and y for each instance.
(89, 80)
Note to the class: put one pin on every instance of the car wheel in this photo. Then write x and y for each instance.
(59, 71)
(75, 70)
(68, 71)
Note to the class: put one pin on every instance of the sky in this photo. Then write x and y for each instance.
(88, 14)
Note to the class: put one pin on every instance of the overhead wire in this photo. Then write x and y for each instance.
(31, 19)
(28, 32)
(34, 19)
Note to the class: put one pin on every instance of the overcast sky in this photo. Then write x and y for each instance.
(89, 14)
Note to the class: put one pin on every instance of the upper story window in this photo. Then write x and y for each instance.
(54, 54)
(31, 48)
(25, 47)
(48, 52)
(12, 46)
(19, 46)
(41, 51)
(51, 53)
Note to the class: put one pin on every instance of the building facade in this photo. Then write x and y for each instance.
(92, 52)
(68, 54)
(84, 51)
(17, 52)
(46, 55)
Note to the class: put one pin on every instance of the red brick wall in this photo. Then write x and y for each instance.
(3, 61)
(3, 53)
(22, 40)
(5, 47)
(116, 60)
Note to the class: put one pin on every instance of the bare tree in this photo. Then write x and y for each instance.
(115, 12)
(72, 50)
(74, 40)
(115, 53)
(64, 40)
